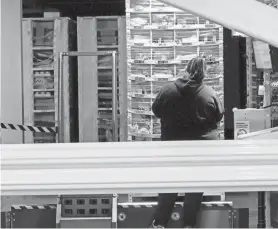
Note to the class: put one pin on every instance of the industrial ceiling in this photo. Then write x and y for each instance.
(73, 8)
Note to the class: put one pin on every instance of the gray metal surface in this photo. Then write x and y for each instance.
(5, 220)
(86, 223)
(274, 209)
(241, 218)
(33, 218)
(211, 215)
(153, 197)
(208, 217)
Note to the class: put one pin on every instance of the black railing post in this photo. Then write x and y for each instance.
(261, 210)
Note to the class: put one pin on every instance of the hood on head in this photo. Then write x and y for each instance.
(187, 85)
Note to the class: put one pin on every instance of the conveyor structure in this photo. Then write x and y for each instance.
(152, 167)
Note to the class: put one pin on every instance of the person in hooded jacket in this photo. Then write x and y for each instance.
(188, 110)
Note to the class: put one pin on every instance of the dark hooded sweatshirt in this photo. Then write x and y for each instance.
(188, 110)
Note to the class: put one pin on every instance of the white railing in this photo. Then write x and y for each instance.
(223, 12)
(136, 167)
(271, 133)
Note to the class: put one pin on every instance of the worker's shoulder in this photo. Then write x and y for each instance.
(169, 86)
(208, 90)
(207, 93)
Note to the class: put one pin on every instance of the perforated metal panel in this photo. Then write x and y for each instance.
(86, 206)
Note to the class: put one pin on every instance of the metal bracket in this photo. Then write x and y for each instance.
(62, 55)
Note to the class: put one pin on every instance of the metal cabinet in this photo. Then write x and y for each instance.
(43, 39)
(101, 34)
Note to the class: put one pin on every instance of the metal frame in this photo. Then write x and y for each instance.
(151, 195)
(39, 211)
(242, 168)
(249, 75)
(132, 167)
(263, 202)
(270, 134)
(62, 42)
(123, 210)
(62, 55)
(114, 212)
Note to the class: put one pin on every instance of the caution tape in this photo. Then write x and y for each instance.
(39, 129)
(33, 207)
(126, 205)
(153, 205)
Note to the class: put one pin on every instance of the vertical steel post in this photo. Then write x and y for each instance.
(114, 91)
(114, 217)
(58, 212)
(114, 98)
(60, 97)
(261, 210)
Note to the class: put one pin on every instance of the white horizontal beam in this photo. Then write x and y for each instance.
(149, 167)
(250, 17)
(271, 133)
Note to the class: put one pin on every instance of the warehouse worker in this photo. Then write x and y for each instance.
(188, 110)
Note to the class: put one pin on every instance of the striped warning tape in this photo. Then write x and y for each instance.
(40, 129)
(31, 207)
(124, 205)
(153, 205)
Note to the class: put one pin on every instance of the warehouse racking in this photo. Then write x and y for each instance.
(104, 33)
(257, 77)
(160, 41)
(43, 39)
(274, 100)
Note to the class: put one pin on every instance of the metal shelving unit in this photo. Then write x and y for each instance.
(254, 77)
(257, 77)
(106, 33)
(43, 39)
(161, 40)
